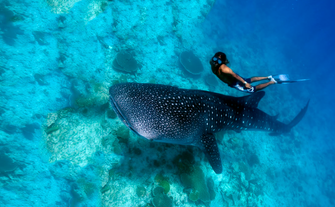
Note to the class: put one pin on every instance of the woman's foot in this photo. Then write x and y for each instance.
(272, 79)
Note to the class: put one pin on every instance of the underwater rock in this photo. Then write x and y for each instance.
(110, 113)
(123, 134)
(163, 182)
(211, 80)
(140, 191)
(97, 97)
(102, 42)
(210, 185)
(78, 195)
(117, 147)
(125, 62)
(61, 6)
(160, 199)
(121, 79)
(235, 199)
(2, 111)
(2, 70)
(196, 181)
(191, 63)
(75, 136)
(10, 129)
(51, 118)
(61, 22)
(253, 160)
(62, 169)
(244, 168)
(105, 189)
(111, 144)
(40, 37)
(234, 143)
(184, 162)
(270, 174)
(9, 31)
(244, 182)
(7, 164)
(29, 130)
(86, 101)
(40, 79)
(137, 151)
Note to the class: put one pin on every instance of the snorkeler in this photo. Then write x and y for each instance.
(219, 67)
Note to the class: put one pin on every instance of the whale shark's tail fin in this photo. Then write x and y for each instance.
(298, 118)
(295, 121)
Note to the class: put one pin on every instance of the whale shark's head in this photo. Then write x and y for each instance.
(158, 112)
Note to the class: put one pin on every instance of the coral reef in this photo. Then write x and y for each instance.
(61, 6)
(69, 129)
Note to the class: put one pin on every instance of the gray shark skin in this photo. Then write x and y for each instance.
(191, 117)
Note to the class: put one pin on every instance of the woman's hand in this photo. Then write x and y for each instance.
(247, 85)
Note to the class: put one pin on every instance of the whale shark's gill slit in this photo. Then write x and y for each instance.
(116, 109)
(121, 116)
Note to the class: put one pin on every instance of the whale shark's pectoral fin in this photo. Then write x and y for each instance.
(210, 147)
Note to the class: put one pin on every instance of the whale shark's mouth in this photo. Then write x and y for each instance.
(117, 110)
(119, 113)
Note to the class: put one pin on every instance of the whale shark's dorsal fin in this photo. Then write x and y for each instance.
(250, 101)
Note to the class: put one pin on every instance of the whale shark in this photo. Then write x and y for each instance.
(173, 115)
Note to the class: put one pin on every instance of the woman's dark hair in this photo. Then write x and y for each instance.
(223, 57)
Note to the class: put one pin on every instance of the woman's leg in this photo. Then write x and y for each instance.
(255, 79)
(263, 85)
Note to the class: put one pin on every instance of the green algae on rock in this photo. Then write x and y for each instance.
(51, 129)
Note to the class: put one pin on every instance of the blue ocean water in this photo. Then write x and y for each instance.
(62, 145)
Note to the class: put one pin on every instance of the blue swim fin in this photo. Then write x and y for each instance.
(284, 79)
